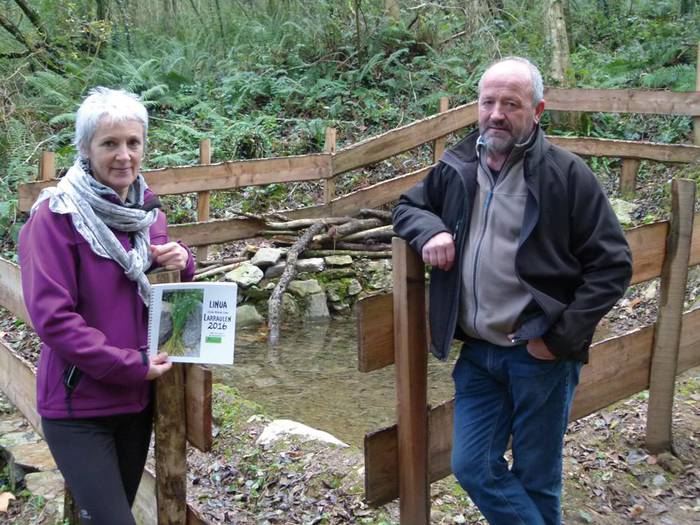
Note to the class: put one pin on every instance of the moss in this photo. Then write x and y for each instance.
(231, 410)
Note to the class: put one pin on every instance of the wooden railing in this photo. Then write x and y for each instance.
(619, 367)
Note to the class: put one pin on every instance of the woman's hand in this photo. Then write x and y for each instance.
(159, 365)
(170, 256)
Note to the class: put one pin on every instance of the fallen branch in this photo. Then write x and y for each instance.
(363, 247)
(275, 301)
(378, 214)
(353, 253)
(355, 225)
(210, 263)
(305, 223)
(383, 233)
(216, 271)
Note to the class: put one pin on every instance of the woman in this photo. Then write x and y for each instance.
(83, 255)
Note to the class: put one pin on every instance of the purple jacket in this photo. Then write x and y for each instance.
(88, 314)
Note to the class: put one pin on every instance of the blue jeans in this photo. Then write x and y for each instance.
(502, 392)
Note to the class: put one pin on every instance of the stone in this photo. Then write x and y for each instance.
(266, 257)
(11, 425)
(280, 428)
(623, 210)
(245, 275)
(165, 328)
(381, 281)
(192, 331)
(290, 308)
(670, 463)
(13, 439)
(338, 260)
(651, 290)
(354, 287)
(48, 485)
(304, 288)
(33, 456)
(247, 315)
(311, 265)
(317, 307)
(335, 291)
(256, 293)
(274, 271)
(381, 265)
(340, 307)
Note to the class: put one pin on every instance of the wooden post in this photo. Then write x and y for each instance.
(47, 165)
(329, 147)
(411, 358)
(674, 276)
(696, 120)
(203, 197)
(439, 144)
(628, 177)
(170, 437)
(71, 512)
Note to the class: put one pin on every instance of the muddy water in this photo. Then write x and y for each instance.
(312, 377)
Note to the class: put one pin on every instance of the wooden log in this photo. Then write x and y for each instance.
(623, 101)
(410, 350)
(216, 231)
(383, 233)
(220, 176)
(304, 223)
(403, 139)
(343, 230)
(595, 147)
(439, 143)
(363, 247)
(47, 166)
(11, 290)
(198, 409)
(668, 327)
(203, 196)
(386, 216)
(221, 269)
(329, 147)
(352, 253)
(618, 368)
(628, 177)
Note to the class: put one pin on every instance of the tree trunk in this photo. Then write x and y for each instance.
(560, 62)
(392, 10)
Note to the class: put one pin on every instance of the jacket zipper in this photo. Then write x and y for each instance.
(487, 207)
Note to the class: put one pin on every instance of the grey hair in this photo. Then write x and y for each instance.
(535, 76)
(116, 105)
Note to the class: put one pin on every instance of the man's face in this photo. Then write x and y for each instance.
(506, 112)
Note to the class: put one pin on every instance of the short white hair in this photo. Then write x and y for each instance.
(535, 76)
(116, 105)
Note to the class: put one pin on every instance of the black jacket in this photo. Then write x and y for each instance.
(572, 255)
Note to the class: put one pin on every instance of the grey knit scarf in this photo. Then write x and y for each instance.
(81, 196)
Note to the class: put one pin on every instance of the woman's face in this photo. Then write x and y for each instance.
(115, 154)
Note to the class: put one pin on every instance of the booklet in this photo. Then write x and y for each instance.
(193, 322)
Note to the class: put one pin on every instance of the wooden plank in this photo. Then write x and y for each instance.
(411, 357)
(648, 245)
(696, 120)
(215, 231)
(375, 336)
(405, 138)
(623, 101)
(18, 382)
(47, 165)
(674, 278)
(330, 146)
(595, 147)
(439, 143)
(198, 406)
(203, 207)
(221, 176)
(618, 368)
(628, 177)
(11, 290)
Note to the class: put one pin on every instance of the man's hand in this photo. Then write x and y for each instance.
(170, 256)
(158, 365)
(538, 349)
(439, 251)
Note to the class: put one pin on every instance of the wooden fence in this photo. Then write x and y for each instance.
(402, 460)
(375, 342)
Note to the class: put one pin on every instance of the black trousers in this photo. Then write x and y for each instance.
(102, 460)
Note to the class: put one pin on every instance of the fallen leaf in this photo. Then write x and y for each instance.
(5, 499)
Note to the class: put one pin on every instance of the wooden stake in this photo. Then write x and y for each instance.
(696, 120)
(170, 436)
(674, 276)
(439, 144)
(628, 177)
(329, 184)
(203, 196)
(47, 166)
(410, 348)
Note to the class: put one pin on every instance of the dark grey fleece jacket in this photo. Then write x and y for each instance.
(572, 256)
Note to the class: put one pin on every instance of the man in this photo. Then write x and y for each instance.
(527, 257)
